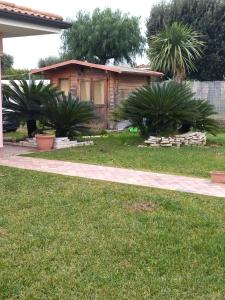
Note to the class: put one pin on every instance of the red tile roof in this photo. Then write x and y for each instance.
(120, 70)
(10, 7)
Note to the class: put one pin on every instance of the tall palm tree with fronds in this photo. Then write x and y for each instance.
(24, 101)
(175, 50)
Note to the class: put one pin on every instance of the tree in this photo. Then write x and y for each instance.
(175, 50)
(205, 16)
(25, 101)
(16, 74)
(162, 109)
(102, 36)
(6, 62)
(47, 61)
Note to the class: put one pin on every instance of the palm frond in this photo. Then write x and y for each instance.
(175, 49)
(67, 115)
(161, 109)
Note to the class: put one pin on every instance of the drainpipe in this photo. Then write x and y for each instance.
(1, 120)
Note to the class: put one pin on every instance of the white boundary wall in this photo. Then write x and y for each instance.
(213, 91)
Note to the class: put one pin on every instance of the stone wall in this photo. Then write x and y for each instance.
(187, 139)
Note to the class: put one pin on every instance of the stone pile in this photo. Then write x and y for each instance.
(187, 139)
(59, 143)
(62, 143)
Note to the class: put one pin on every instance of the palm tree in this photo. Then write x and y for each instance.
(24, 101)
(175, 50)
(164, 109)
(67, 115)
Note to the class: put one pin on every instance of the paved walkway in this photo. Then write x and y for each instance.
(9, 157)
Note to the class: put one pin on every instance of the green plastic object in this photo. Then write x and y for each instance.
(133, 129)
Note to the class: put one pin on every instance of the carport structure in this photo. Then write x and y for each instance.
(19, 21)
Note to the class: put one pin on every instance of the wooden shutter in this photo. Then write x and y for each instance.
(85, 90)
(64, 85)
(99, 92)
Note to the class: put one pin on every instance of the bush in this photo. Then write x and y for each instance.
(67, 116)
(32, 102)
(165, 109)
(24, 101)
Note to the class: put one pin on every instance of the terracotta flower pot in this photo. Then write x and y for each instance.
(44, 141)
(218, 177)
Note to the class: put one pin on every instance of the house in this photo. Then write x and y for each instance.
(17, 21)
(103, 85)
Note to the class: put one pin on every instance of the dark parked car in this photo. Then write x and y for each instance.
(10, 124)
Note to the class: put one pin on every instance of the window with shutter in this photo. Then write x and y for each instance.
(99, 92)
(85, 90)
(64, 85)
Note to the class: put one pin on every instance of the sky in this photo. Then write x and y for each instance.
(27, 50)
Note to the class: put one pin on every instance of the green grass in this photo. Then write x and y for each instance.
(70, 238)
(20, 134)
(121, 150)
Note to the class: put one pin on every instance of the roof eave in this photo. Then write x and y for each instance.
(35, 20)
(156, 74)
(53, 67)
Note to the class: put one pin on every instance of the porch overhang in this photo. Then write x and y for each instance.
(19, 21)
(12, 28)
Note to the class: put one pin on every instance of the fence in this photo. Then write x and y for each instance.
(214, 92)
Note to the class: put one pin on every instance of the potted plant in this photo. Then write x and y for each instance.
(67, 116)
(45, 141)
(218, 176)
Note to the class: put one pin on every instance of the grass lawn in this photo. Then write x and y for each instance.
(121, 150)
(70, 238)
(20, 134)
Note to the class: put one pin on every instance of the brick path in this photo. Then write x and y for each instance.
(8, 157)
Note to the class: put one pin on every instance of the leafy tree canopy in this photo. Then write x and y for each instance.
(47, 61)
(102, 36)
(8, 72)
(16, 74)
(205, 16)
(6, 63)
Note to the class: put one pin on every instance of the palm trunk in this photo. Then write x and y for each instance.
(31, 128)
(179, 76)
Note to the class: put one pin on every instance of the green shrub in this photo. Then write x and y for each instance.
(165, 109)
(24, 101)
(67, 116)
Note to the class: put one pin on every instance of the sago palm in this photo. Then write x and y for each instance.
(175, 50)
(205, 120)
(67, 115)
(24, 101)
(162, 109)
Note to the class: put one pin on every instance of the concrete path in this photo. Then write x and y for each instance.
(9, 157)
